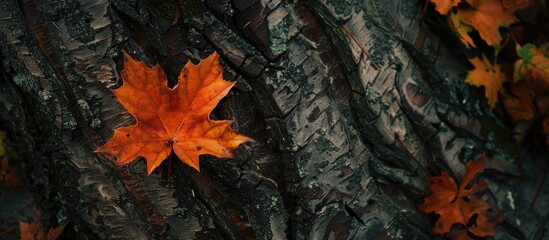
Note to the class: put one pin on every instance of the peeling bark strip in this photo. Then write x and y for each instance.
(326, 164)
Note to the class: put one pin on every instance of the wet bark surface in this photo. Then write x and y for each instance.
(326, 118)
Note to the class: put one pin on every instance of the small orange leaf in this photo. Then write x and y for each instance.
(488, 76)
(172, 119)
(444, 6)
(487, 16)
(462, 30)
(456, 205)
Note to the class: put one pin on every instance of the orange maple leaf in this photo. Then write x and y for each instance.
(175, 118)
(488, 76)
(31, 231)
(444, 6)
(487, 16)
(456, 205)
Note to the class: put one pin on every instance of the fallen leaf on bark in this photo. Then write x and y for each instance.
(488, 76)
(456, 204)
(173, 119)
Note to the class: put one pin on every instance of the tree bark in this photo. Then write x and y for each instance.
(327, 118)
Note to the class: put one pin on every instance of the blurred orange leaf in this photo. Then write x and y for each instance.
(487, 16)
(533, 67)
(488, 76)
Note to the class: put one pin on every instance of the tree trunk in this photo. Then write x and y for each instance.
(333, 124)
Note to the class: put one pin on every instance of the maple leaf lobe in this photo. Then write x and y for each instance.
(172, 119)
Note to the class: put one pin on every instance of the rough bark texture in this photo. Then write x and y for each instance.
(326, 163)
